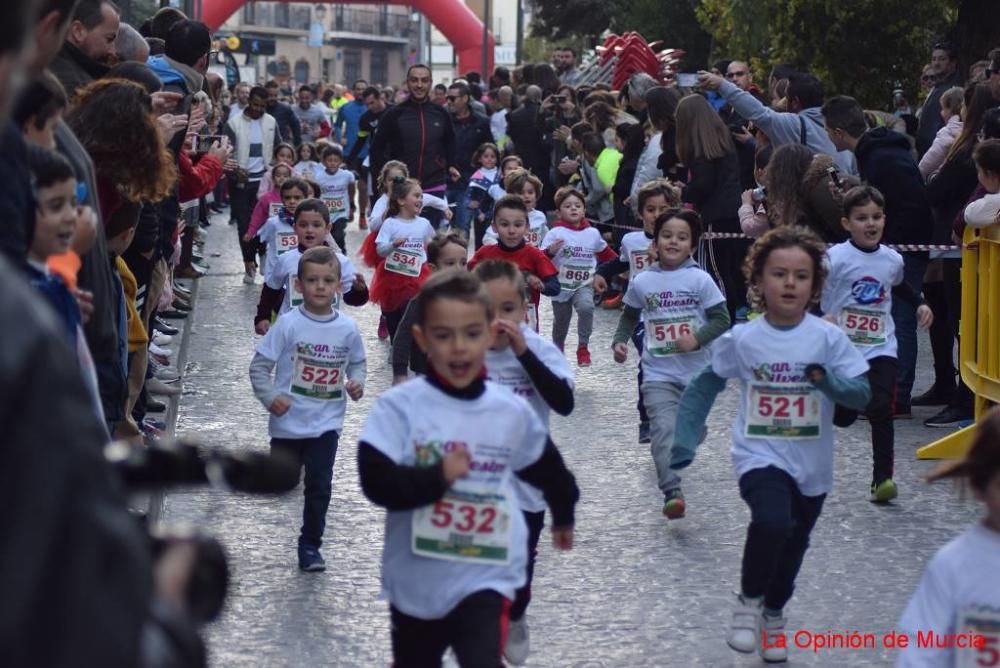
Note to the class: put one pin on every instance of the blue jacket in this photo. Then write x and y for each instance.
(349, 118)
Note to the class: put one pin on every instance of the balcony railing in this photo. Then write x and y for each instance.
(340, 18)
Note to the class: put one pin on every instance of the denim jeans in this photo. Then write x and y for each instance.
(662, 400)
(905, 317)
(459, 209)
(316, 455)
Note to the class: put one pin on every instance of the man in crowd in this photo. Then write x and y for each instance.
(526, 131)
(944, 67)
(311, 118)
(288, 125)
(241, 97)
(420, 134)
(564, 61)
(440, 94)
(471, 130)
(346, 129)
(89, 49)
(130, 46)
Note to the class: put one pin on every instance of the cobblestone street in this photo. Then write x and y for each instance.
(635, 591)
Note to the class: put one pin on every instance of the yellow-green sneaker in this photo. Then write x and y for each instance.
(673, 505)
(883, 492)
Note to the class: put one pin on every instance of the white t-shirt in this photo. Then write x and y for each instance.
(504, 369)
(424, 573)
(381, 207)
(335, 191)
(280, 238)
(285, 269)
(312, 359)
(635, 251)
(673, 304)
(858, 290)
(256, 164)
(959, 594)
(576, 260)
(498, 124)
(783, 420)
(408, 259)
(308, 169)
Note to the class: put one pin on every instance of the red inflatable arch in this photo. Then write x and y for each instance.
(452, 17)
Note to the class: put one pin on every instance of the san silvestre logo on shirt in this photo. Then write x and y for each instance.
(780, 372)
(668, 299)
(320, 350)
(430, 453)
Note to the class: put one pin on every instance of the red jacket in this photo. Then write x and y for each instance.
(198, 180)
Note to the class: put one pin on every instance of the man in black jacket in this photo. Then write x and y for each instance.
(885, 161)
(90, 45)
(471, 130)
(420, 134)
(944, 62)
(288, 126)
(527, 133)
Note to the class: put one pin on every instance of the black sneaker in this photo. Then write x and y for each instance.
(937, 395)
(164, 327)
(951, 416)
(310, 560)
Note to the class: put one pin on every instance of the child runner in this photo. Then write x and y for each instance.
(683, 311)
(477, 198)
(283, 154)
(575, 248)
(280, 293)
(308, 165)
(959, 594)
(863, 277)
(268, 203)
(528, 187)
(793, 367)
(511, 225)
(402, 246)
(277, 233)
(439, 453)
(447, 250)
(338, 192)
(535, 369)
(320, 360)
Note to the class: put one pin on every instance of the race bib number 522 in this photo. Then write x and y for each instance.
(317, 379)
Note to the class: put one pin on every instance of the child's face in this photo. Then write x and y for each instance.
(305, 153)
(55, 219)
(990, 498)
(452, 256)
(529, 196)
(291, 199)
(46, 137)
(865, 225)
(311, 228)
(509, 304)
(511, 226)
(786, 283)
(989, 180)
(653, 208)
(332, 163)
(285, 154)
(673, 245)
(488, 159)
(319, 285)
(511, 165)
(280, 176)
(412, 203)
(572, 209)
(455, 336)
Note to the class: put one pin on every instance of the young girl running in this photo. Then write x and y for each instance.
(793, 367)
(283, 154)
(308, 165)
(683, 311)
(402, 246)
(535, 369)
(275, 231)
(864, 277)
(959, 594)
(439, 453)
(575, 248)
(528, 187)
(478, 203)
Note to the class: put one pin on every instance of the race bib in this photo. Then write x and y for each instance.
(285, 241)
(533, 237)
(337, 208)
(575, 275)
(464, 526)
(405, 261)
(273, 209)
(863, 326)
(983, 624)
(785, 410)
(662, 334)
(317, 379)
(531, 317)
(638, 262)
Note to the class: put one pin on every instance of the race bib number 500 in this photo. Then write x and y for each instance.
(462, 526)
(788, 410)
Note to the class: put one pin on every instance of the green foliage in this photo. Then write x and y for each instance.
(863, 48)
(569, 19)
(671, 21)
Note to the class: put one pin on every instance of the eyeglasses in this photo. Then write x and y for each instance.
(733, 75)
(452, 98)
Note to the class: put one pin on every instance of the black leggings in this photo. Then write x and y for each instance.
(475, 629)
(242, 201)
(535, 522)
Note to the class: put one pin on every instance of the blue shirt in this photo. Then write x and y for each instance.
(349, 118)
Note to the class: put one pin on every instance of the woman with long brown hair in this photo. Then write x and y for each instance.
(705, 147)
(798, 192)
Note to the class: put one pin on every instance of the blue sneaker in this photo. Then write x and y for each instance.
(310, 560)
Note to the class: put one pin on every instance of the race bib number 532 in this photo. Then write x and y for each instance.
(469, 527)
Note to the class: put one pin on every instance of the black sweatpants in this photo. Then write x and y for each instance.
(475, 629)
(781, 520)
(522, 597)
(882, 373)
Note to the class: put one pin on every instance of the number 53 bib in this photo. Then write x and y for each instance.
(783, 410)
(464, 526)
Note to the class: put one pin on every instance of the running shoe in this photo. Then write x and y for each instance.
(883, 492)
(951, 416)
(310, 560)
(518, 642)
(362, 223)
(614, 302)
(673, 505)
(383, 328)
(743, 630)
(582, 356)
(773, 644)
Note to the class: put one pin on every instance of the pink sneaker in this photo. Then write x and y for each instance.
(383, 328)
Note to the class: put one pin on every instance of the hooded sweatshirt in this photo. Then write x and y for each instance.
(885, 160)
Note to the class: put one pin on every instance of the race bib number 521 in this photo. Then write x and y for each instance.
(786, 410)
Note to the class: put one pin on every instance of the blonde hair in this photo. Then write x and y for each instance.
(701, 134)
(952, 99)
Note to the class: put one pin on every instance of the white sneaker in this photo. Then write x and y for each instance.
(248, 279)
(167, 374)
(743, 629)
(161, 339)
(159, 350)
(773, 642)
(518, 642)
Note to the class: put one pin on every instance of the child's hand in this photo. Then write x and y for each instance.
(555, 246)
(815, 373)
(85, 232)
(687, 343)
(398, 242)
(397, 380)
(355, 390)
(747, 197)
(456, 463)
(535, 283)
(621, 352)
(600, 285)
(280, 405)
(514, 335)
(448, 214)
(562, 539)
(85, 302)
(925, 317)
(261, 327)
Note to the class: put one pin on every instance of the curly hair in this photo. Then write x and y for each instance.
(786, 236)
(114, 122)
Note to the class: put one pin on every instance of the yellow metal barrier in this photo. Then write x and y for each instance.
(979, 330)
